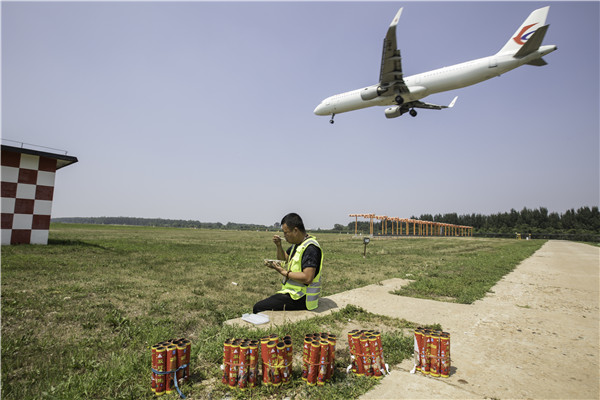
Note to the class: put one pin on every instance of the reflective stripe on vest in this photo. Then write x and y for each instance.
(296, 289)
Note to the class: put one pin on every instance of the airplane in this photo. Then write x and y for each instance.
(403, 94)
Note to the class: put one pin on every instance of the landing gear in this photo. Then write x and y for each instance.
(399, 100)
(413, 112)
(331, 121)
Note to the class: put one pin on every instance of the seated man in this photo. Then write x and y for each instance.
(302, 273)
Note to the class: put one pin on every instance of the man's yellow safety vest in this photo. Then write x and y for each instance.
(296, 289)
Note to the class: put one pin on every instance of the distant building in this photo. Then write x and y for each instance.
(27, 193)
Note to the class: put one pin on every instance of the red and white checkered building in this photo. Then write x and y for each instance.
(27, 193)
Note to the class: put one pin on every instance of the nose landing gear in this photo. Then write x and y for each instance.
(331, 121)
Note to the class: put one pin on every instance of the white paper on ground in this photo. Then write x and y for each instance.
(256, 319)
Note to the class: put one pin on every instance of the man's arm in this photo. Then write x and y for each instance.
(305, 276)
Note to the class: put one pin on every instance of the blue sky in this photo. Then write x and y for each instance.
(204, 110)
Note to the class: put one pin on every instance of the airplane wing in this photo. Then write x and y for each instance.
(429, 106)
(391, 61)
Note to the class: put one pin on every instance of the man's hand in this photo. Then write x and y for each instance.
(277, 240)
(274, 264)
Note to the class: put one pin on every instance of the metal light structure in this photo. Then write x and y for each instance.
(370, 216)
(419, 227)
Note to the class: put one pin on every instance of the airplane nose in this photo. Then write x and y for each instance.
(320, 110)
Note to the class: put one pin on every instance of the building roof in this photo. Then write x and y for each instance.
(62, 160)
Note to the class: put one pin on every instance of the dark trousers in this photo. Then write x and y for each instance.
(279, 302)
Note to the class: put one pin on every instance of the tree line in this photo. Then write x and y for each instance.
(159, 222)
(583, 222)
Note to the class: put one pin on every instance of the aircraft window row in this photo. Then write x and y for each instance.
(447, 69)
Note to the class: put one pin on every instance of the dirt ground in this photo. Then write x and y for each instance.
(535, 335)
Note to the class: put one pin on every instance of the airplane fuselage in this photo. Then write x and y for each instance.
(439, 80)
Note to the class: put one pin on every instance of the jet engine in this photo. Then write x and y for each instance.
(393, 112)
(369, 93)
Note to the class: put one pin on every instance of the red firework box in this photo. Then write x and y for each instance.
(166, 357)
(418, 346)
(171, 363)
(313, 362)
(331, 343)
(234, 363)
(161, 359)
(376, 356)
(288, 359)
(425, 351)
(272, 370)
(352, 349)
(187, 358)
(365, 355)
(445, 355)
(226, 361)
(323, 362)
(434, 354)
(240, 363)
(360, 368)
(244, 363)
(182, 356)
(152, 374)
(278, 368)
(253, 363)
(380, 346)
(306, 354)
(264, 353)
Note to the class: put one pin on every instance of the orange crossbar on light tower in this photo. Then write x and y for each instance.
(370, 216)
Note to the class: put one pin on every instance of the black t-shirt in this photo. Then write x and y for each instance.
(311, 258)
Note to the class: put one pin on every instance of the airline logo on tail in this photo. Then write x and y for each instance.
(522, 37)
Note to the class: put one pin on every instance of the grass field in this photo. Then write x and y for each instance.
(79, 315)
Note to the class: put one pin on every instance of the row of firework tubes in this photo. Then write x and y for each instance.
(170, 355)
(432, 352)
(366, 353)
(241, 360)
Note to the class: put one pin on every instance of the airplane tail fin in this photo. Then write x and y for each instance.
(527, 31)
(533, 43)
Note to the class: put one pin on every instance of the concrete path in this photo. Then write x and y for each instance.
(535, 335)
